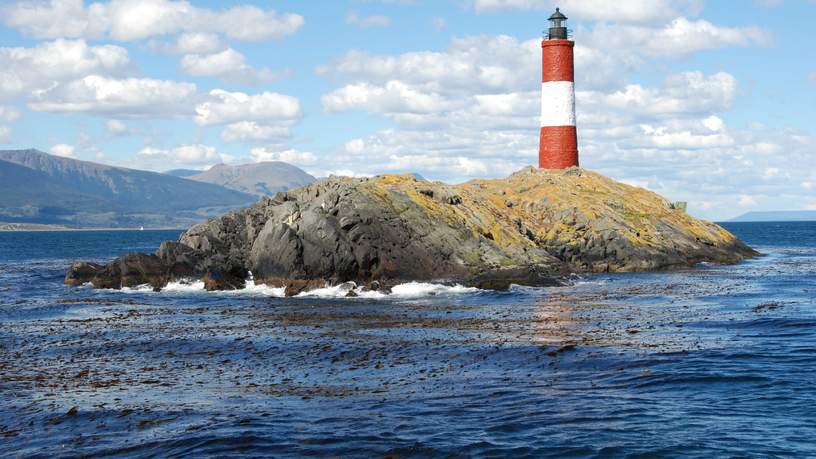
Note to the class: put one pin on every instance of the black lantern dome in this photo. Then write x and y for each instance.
(558, 26)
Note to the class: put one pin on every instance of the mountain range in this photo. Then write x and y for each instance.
(777, 216)
(36, 187)
(264, 178)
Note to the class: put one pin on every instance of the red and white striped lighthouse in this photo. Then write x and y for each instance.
(558, 144)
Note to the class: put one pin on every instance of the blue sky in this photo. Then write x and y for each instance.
(712, 102)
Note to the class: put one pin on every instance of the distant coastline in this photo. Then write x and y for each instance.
(777, 216)
(20, 227)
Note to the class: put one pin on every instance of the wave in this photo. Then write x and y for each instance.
(197, 286)
(408, 290)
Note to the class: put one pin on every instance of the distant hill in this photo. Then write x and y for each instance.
(778, 216)
(265, 178)
(183, 173)
(36, 187)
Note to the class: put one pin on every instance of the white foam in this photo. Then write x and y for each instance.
(342, 291)
(421, 289)
(409, 290)
(184, 287)
(144, 288)
(261, 290)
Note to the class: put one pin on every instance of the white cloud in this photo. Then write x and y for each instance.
(664, 137)
(491, 64)
(746, 201)
(129, 97)
(367, 21)
(679, 37)
(713, 123)
(296, 157)
(228, 65)
(116, 128)
(812, 77)
(8, 113)
(182, 155)
(66, 151)
(198, 43)
(394, 97)
(646, 11)
(689, 92)
(127, 20)
(439, 23)
(5, 134)
(231, 107)
(39, 68)
(190, 43)
(250, 131)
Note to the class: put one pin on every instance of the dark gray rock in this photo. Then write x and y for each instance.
(82, 272)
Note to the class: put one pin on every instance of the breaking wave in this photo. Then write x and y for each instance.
(408, 290)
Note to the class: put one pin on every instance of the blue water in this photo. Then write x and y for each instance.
(714, 361)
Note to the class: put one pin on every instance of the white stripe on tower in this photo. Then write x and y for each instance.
(557, 103)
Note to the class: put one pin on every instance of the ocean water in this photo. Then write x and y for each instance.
(712, 361)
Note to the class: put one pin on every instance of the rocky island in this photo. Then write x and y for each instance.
(531, 228)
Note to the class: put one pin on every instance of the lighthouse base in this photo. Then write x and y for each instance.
(558, 147)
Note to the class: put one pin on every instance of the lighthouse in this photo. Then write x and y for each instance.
(558, 142)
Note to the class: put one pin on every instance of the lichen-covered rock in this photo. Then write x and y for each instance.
(527, 229)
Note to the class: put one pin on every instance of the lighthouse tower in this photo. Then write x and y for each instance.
(558, 144)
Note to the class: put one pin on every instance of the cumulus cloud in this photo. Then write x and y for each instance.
(231, 107)
(128, 97)
(198, 43)
(127, 20)
(393, 97)
(252, 132)
(228, 65)
(190, 43)
(471, 63)
(23, 70)
(292, 156)
(116, 128)
(64, 150)
(367, 21)
(679, 37)
(746, 201)
(683, 93)
(192, 155)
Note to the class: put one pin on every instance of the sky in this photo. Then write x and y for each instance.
(711, 102)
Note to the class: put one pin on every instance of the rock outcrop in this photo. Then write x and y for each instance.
(530, 228)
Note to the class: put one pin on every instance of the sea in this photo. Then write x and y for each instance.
(709, 361)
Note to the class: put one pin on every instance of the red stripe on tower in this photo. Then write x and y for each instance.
(558, 143)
